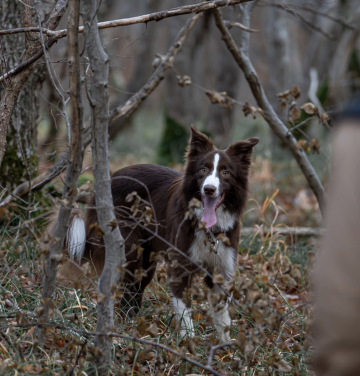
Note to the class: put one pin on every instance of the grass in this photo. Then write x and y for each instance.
(269, 323)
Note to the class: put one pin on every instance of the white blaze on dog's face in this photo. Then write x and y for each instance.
(211, 191)
(213, 179)
(217, 177)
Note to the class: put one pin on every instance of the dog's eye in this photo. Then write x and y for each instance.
(204, 170)
(226, 173)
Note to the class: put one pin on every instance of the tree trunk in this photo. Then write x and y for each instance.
(20, 158)
(98, 95)
(220, 119)
(143, 68)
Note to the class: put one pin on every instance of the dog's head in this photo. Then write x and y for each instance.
(217, 177)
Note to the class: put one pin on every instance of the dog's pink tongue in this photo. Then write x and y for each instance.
(209, 216)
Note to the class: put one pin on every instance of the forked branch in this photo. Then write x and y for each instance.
(270, 116)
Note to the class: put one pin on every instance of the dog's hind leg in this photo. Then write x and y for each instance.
(136, 280)
(131, 301)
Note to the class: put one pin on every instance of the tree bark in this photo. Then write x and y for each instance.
(21, 123)
(20, 159)
(72, 173)
(98, 96)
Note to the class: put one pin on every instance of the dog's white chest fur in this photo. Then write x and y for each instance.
(201, 252)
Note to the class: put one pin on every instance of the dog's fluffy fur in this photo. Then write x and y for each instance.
(218, 179)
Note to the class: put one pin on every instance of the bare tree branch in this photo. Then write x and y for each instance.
(231, 24)
(98, 95)
(310, 10)
(157, 16)
(134, 102)
(123, 111)
(270, 116)
(296, 231)
(308, 23)
(246, 10)
(72, 173)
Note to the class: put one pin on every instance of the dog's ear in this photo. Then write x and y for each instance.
(199, 143)
(242, 149)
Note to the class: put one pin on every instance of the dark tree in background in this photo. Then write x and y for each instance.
(21, 158)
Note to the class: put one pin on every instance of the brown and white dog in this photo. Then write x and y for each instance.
(218, 179)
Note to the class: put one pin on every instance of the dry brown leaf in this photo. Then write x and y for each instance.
(140, 251)
(98, 230)
(304, 145)
(315, 146)
(295, 92)
(282, 366)
(324, 118)
(310, 108)
(148, 215)
(184, 81)
(224, 239)
(219, 97)
(72, 193)
(145, 328)
(294, 111)
(139, 274)
(113, 224)
(4, 213)
(283, 95)
(194, 203)
(287, 280)
(218, 278)
(249, 110)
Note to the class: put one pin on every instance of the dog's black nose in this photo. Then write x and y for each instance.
(209, 190)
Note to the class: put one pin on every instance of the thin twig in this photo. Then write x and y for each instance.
(299, 231)
(231, 24)
(311, 10)
(302, 123)
(167, 327)
(218, 347)
(157, 16)
(270, 116)
(78, 357)
(48, 66)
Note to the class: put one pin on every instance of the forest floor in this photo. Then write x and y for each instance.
(270, 322)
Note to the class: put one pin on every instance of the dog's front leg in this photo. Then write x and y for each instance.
(183, 315)
(220, 313)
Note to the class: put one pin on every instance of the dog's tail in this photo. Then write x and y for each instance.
(76, 234)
